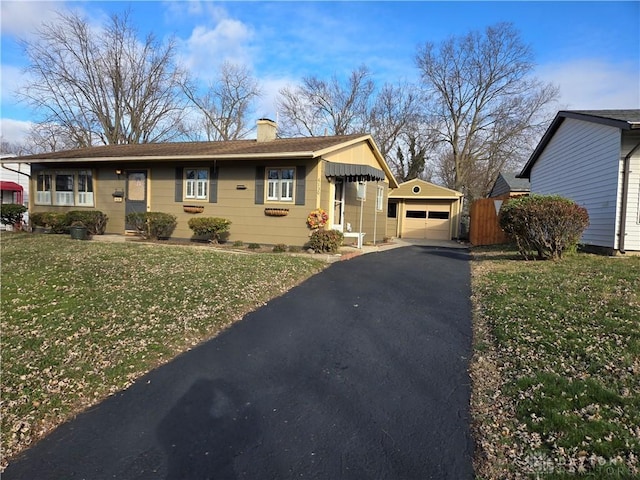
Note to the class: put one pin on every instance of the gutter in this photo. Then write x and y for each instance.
(168, 158)
(16, 171)
(625, 188)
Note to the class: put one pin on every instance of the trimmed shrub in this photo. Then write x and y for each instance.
(543, 226)
(325, 241)
(11, 213)
(153, 225)
(55, 221)
(279, 248)
(254, 246)
(213, 229)
(238, 243)
(94, 220)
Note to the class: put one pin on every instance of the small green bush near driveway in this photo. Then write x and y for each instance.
(556, 368)
(82, 320)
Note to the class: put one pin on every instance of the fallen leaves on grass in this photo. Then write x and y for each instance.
(82, 320)
(555, 371)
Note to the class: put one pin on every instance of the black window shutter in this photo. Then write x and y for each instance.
(301, 173)
(259, 185)
(179, 173)
(213, 185)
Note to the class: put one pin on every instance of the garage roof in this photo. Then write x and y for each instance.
(417, 188)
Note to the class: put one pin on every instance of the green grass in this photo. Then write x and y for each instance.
(82, 320)
(564, 349)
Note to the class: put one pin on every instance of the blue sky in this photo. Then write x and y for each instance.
(591, 50)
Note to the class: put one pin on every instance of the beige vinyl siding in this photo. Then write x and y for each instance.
(105, 183)
(582, 162)
(248, 220)
(359, 154)
(370, 216)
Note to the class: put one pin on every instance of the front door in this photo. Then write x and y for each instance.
(136, 194)
(338, 205)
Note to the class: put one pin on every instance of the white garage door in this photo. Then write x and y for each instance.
(430, 222)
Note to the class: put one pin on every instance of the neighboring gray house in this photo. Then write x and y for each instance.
(593, 158)
(509, 185)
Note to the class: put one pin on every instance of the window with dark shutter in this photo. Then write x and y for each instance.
(213, 185)
(179, 171)
(301, 173)
(260, 185)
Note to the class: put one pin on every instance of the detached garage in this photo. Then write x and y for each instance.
(422, 210)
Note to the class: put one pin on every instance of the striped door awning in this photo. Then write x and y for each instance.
(352, 172)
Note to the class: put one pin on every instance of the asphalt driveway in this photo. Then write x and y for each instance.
(358, 373)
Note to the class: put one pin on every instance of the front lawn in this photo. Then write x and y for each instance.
(82, 320)
(556, 369)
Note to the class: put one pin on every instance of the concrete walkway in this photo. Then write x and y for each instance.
(358, 373)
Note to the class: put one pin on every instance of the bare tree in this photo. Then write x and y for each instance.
(485, 104)
(11, 149)
(225, 107)
(398, 124)
(319, 107)
(49, 137)
(104, 85)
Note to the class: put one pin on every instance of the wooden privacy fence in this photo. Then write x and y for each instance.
(483, 222)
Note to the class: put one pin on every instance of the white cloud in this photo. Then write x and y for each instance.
(12, 77)
(266, 106)
(216, 39)
(594, 84)
(14, 131)
(21, 18)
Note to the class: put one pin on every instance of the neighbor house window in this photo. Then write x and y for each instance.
(379, 198)
(65, 188)
(196, 183)
(43, 189)
(280, 184)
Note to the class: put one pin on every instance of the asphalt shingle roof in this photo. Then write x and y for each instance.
(302, 145)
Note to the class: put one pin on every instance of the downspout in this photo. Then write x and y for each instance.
(16, 171)
(625, 188)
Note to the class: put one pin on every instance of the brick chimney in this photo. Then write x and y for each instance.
(267, 130)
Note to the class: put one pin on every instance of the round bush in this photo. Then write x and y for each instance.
(209, 228)
(153, 225)
(11, 213)
(543, 225)
(325, 241)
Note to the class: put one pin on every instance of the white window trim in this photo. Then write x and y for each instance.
(197, 188)
(278, 185)
(380, 198)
